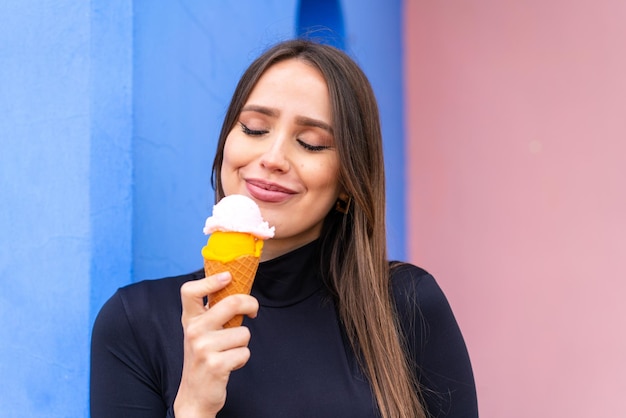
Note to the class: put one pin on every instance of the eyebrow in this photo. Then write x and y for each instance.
(300, 120)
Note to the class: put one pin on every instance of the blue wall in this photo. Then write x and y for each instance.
(374, 34)
(109, 114)
(188, 58)
(65, 196)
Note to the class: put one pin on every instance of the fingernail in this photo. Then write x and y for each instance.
(223, 277)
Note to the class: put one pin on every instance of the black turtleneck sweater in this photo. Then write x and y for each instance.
(301, 364)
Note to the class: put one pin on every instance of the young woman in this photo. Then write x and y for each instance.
(335, 330)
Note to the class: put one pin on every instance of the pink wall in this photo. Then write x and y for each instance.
(516, 123)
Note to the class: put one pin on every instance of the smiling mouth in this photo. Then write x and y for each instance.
(270, 187)
(268, 192)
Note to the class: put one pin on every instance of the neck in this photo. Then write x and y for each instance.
(275, 247)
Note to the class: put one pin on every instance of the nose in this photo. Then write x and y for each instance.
(275, 158)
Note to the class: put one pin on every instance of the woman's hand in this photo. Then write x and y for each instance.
(211, 352)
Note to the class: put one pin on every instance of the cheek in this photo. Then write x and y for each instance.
(230, 163)
(325, 176)
(229, 152)
(235, 153)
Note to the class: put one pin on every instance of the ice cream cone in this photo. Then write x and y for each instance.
(243, 269)
(237, 233)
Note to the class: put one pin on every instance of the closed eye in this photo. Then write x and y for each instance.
(251, 132)
(310, 147)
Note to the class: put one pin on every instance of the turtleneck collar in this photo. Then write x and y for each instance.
(288, 279)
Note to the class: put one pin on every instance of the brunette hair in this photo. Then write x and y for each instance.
(353, 245)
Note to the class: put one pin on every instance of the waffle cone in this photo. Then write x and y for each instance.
(243, 270)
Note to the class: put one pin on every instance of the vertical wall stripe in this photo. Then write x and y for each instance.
(321, 20)
(371, 32)
(374, 39)
(110, 190)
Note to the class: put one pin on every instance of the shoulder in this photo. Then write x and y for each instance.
(418, 298)
(158, 298)
(140, 323)
(434, 342)
(145, 301)
(411, 284)
(156, 290)
(137, 342)
(403, 274)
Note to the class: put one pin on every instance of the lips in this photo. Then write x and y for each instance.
(267, 191)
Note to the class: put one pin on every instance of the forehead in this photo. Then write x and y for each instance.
(282, 72)
(293, 85)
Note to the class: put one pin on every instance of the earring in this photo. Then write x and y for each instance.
(343, 203)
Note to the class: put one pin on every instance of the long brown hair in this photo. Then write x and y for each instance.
(353, 245)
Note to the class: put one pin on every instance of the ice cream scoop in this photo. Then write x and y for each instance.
(237, 233)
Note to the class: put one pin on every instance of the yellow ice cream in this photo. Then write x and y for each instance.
(226, 246)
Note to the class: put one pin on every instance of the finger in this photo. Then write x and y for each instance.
(192, 293)
(226, 339)
(227, 308)
(235, 358)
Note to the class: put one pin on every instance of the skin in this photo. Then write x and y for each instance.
(282, 155)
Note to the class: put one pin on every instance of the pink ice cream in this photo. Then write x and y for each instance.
(238, 213)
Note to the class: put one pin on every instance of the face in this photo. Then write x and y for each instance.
(282, 154)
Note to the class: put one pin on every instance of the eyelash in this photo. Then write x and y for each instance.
(251, 132)
(308, 147)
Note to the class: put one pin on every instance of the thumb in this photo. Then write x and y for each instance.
(193, 293)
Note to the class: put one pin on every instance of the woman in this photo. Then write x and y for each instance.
(335, 330)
